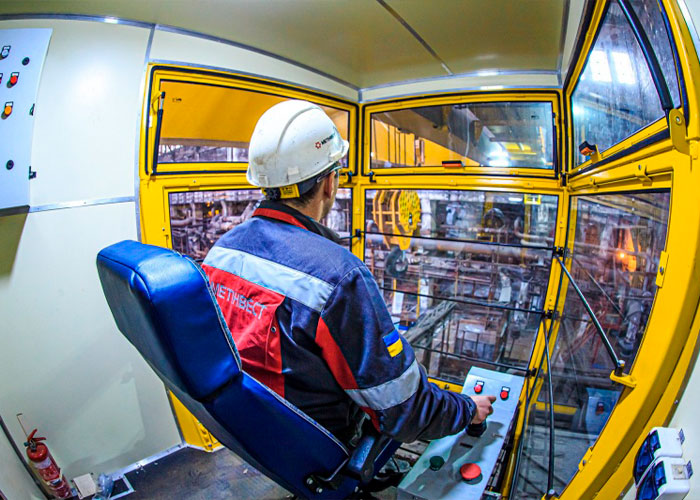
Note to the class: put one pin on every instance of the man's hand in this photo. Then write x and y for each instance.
(483, 408)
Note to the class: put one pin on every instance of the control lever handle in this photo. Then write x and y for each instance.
(476, 430)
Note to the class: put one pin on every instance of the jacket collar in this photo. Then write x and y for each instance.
(284, 213)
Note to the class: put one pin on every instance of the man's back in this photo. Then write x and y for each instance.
(309, 322)
(272, 280)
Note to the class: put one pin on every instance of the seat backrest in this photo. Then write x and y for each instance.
(163, 304)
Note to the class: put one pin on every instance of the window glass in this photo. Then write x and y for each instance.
(207, 123)
(199, 218)
(615, 258)
(498, 134)
(461, 272)
(615, 96)
(649, 14)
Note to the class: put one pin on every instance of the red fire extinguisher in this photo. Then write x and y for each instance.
(44, 464)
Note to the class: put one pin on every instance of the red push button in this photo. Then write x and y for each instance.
(14, 77)
(470, 472)
(7, 110)
(479, 386)
(505, 392)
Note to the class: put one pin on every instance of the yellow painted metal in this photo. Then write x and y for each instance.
(397, 212)
(559, 409)
(193, 432)
(669, 345)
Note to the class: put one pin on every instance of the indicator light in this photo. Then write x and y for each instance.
(479, 386)
(505, 392)
(452, 164)
(14, 77)
(7, 110)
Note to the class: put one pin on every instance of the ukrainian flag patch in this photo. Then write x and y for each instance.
(393, 343)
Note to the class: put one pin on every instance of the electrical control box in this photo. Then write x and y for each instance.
(22, 53)
(459, 466)
(660, 442)
(665, 479)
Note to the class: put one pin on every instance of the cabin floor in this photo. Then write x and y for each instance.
(196, 475)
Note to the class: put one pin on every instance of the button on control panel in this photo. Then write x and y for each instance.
(458, 467)
(505, 391)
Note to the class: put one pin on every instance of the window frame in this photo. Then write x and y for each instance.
(535, 95)
(160, 73)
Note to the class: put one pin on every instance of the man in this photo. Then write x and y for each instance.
(307, 316)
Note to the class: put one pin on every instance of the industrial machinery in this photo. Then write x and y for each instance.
(199, 218)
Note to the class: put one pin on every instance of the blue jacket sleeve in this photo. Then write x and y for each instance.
(377, 368)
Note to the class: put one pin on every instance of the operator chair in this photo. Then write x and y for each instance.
(163, 304)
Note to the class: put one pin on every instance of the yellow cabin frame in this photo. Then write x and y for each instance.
(669, 347)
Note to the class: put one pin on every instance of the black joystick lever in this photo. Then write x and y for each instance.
(476, 430)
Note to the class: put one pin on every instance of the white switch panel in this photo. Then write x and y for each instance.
(22, 53)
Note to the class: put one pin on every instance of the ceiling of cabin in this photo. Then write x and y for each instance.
(365, 43)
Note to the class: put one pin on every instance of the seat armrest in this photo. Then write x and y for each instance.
(361, 462)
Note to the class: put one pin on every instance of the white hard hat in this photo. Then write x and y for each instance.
(293, 141)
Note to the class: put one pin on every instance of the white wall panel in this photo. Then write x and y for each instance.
(457, 83)
(87, 110)
(168, 46)
(63, 362)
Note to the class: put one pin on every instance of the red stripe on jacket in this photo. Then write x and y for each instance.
(338, 364)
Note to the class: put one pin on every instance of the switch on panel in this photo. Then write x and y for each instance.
(5, 51)
(479, 386)
(14, 77)
(7, 110)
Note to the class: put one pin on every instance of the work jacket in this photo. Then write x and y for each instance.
(310, 322)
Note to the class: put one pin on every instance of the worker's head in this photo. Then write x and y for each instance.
(294, 154)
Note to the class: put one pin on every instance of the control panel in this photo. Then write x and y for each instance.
(22, 53)
(459, 466)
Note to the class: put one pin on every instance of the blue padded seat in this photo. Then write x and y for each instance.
(163, 304)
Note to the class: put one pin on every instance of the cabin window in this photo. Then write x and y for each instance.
(615, 96)
(199, 218)
(649, 13)
(493, 134)
(464, 273)
(617, 244)
(213, 124)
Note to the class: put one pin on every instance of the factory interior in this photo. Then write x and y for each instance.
(522, 183)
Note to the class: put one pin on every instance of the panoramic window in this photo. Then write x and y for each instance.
(207, 123)
(615, 96)
(464, 273)
(615, 258)
(199, 218)
(496, 134)
(649, 13)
